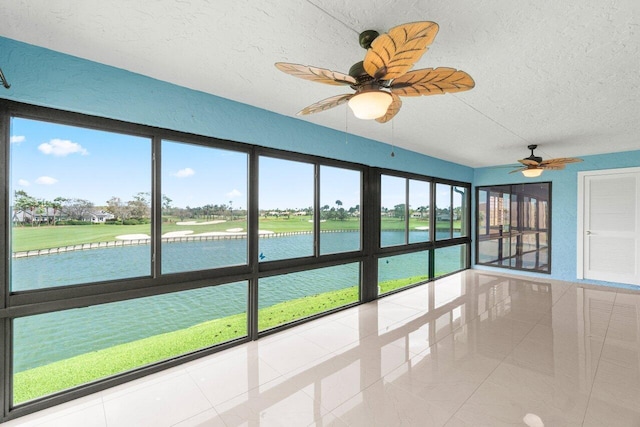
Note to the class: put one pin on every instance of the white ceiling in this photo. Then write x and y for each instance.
(560, 74)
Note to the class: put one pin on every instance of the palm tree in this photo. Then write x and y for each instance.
(56, 205)
(341, 215)
(24, 202)
(166, 204)
(43, 210)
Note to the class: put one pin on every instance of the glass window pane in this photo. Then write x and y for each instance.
(80, 202)
(400, 271)
(483, 217)
(286, 198)
(419, 201)
(339, 210)
(460, 203)
(392, 211)
(443, 212)
(289, 297)
(450, 259)
(57, 351)
(494, 243)
(204, 207)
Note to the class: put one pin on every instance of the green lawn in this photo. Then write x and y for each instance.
(85, 368)
(392, 285)
(25, 238)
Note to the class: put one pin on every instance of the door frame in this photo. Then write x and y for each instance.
(582, 176)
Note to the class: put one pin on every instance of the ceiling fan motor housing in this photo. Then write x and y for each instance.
(362, 77)
(367, 37)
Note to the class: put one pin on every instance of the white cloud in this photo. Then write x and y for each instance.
(234, 193)
(183, 173)
(61, 148)
(23, 183)
(17, 139)
(46, 180)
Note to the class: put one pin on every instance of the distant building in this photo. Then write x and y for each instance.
(50, 215)
(36, 216)
(101, 217)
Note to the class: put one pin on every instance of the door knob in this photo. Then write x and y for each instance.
(588, 232)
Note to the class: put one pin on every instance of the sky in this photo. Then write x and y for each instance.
(50, 160)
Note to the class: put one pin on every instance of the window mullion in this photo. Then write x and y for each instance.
(316, 210)
(370, 221)
(252, 245)
(451, 211)
(406, 212)
(156, 207)
(5, 223)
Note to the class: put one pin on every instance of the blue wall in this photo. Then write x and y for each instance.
(47, 78)
(564, 218)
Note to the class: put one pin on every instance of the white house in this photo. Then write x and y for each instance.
(101, 217)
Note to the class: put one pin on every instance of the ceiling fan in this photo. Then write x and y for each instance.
(534, 165)
(384, 75)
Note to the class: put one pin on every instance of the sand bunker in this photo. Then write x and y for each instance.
(218, 221)
(177, 233)
(422, 228)
(185, 233)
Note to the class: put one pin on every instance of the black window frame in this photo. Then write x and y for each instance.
(432, 244)
(514, 232)
(25, 303)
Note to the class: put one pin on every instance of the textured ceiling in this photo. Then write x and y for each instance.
(563, 75)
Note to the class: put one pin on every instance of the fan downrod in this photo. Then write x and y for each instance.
(533, 156)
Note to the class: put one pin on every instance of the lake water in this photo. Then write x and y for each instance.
(72, 332)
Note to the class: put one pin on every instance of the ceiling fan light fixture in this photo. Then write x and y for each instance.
(532, 172)
(370, 104)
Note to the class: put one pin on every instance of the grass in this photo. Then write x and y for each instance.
(26, 238)
(392, 285)
(299, 308)
(89, 367)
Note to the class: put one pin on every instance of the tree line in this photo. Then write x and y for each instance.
(138, 208)
(69, 209)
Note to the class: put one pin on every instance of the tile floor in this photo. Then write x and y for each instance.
(473, 349)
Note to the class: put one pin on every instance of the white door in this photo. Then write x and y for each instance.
(609, 233)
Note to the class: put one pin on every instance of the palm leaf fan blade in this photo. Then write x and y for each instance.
(560, 161)
(393, 109)
(552, 166)
(325, 104)
(320, 75)
(393, 54)
(518, 170)
(432, 81)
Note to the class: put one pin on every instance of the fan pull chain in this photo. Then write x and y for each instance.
(393, 154)
(346, 125)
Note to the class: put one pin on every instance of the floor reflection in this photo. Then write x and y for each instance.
(471, 349)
